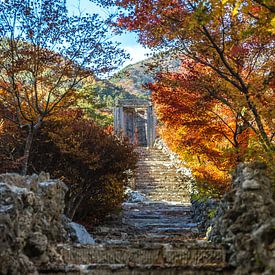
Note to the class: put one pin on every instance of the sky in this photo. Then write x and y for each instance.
(128, 40)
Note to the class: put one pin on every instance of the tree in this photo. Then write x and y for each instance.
(231, 38)
(210, 137)
(45, 54)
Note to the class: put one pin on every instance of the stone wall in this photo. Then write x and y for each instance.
(203, 210)
(182, 170)
(245, 221)
(31, 210)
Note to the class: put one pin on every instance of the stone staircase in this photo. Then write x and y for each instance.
(157, 178)
(153, 234)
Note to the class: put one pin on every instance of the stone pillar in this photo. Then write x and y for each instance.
(123, 118)
(154, 126)
(151, 127)
(118, 120)
(148, 132)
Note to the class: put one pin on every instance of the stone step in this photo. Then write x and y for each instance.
(156, 185)
(155, 175)
(141, 169)
(154, 155)
(163, 192)
(152, 152)
(155, 159)
(167, 199)
(163, 172)
(155, 225)
(158, 205)
(159, 177)
(155, 163)
(159, 184)
(141, 185)
(187, 254)
(156, 213)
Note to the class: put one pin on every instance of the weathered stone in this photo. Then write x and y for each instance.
(250, 184)
(79, 234)
(187, 254)
(245, 221)
(36, 245)
(31, 209)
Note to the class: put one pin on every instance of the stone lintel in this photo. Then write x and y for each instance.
(134, 103)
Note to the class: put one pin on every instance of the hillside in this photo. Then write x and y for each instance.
(134, 77)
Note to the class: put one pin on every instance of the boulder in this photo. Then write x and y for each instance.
(31, 209)
(79, 234)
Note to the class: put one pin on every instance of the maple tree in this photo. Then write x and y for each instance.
(210, 137)
(45, 53)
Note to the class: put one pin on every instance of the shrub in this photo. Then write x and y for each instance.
(90, 161)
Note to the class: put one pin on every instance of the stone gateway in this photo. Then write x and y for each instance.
(135, 119)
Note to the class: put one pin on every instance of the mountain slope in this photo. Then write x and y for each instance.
(134, 77)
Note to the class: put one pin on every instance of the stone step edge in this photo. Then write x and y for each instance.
(64, 269)
(55, 269)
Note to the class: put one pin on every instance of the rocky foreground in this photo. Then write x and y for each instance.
(32, 223)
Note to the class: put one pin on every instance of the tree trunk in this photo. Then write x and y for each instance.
(27, 151)
(73, 204)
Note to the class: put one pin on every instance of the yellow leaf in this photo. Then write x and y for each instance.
(272, 23)
(236, 8)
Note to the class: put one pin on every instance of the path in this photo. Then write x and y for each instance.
(159, 208)
(154, 233)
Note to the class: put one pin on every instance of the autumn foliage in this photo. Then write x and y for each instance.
(217, 109)
(90, 161)
(209, 136)
(205, 125)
